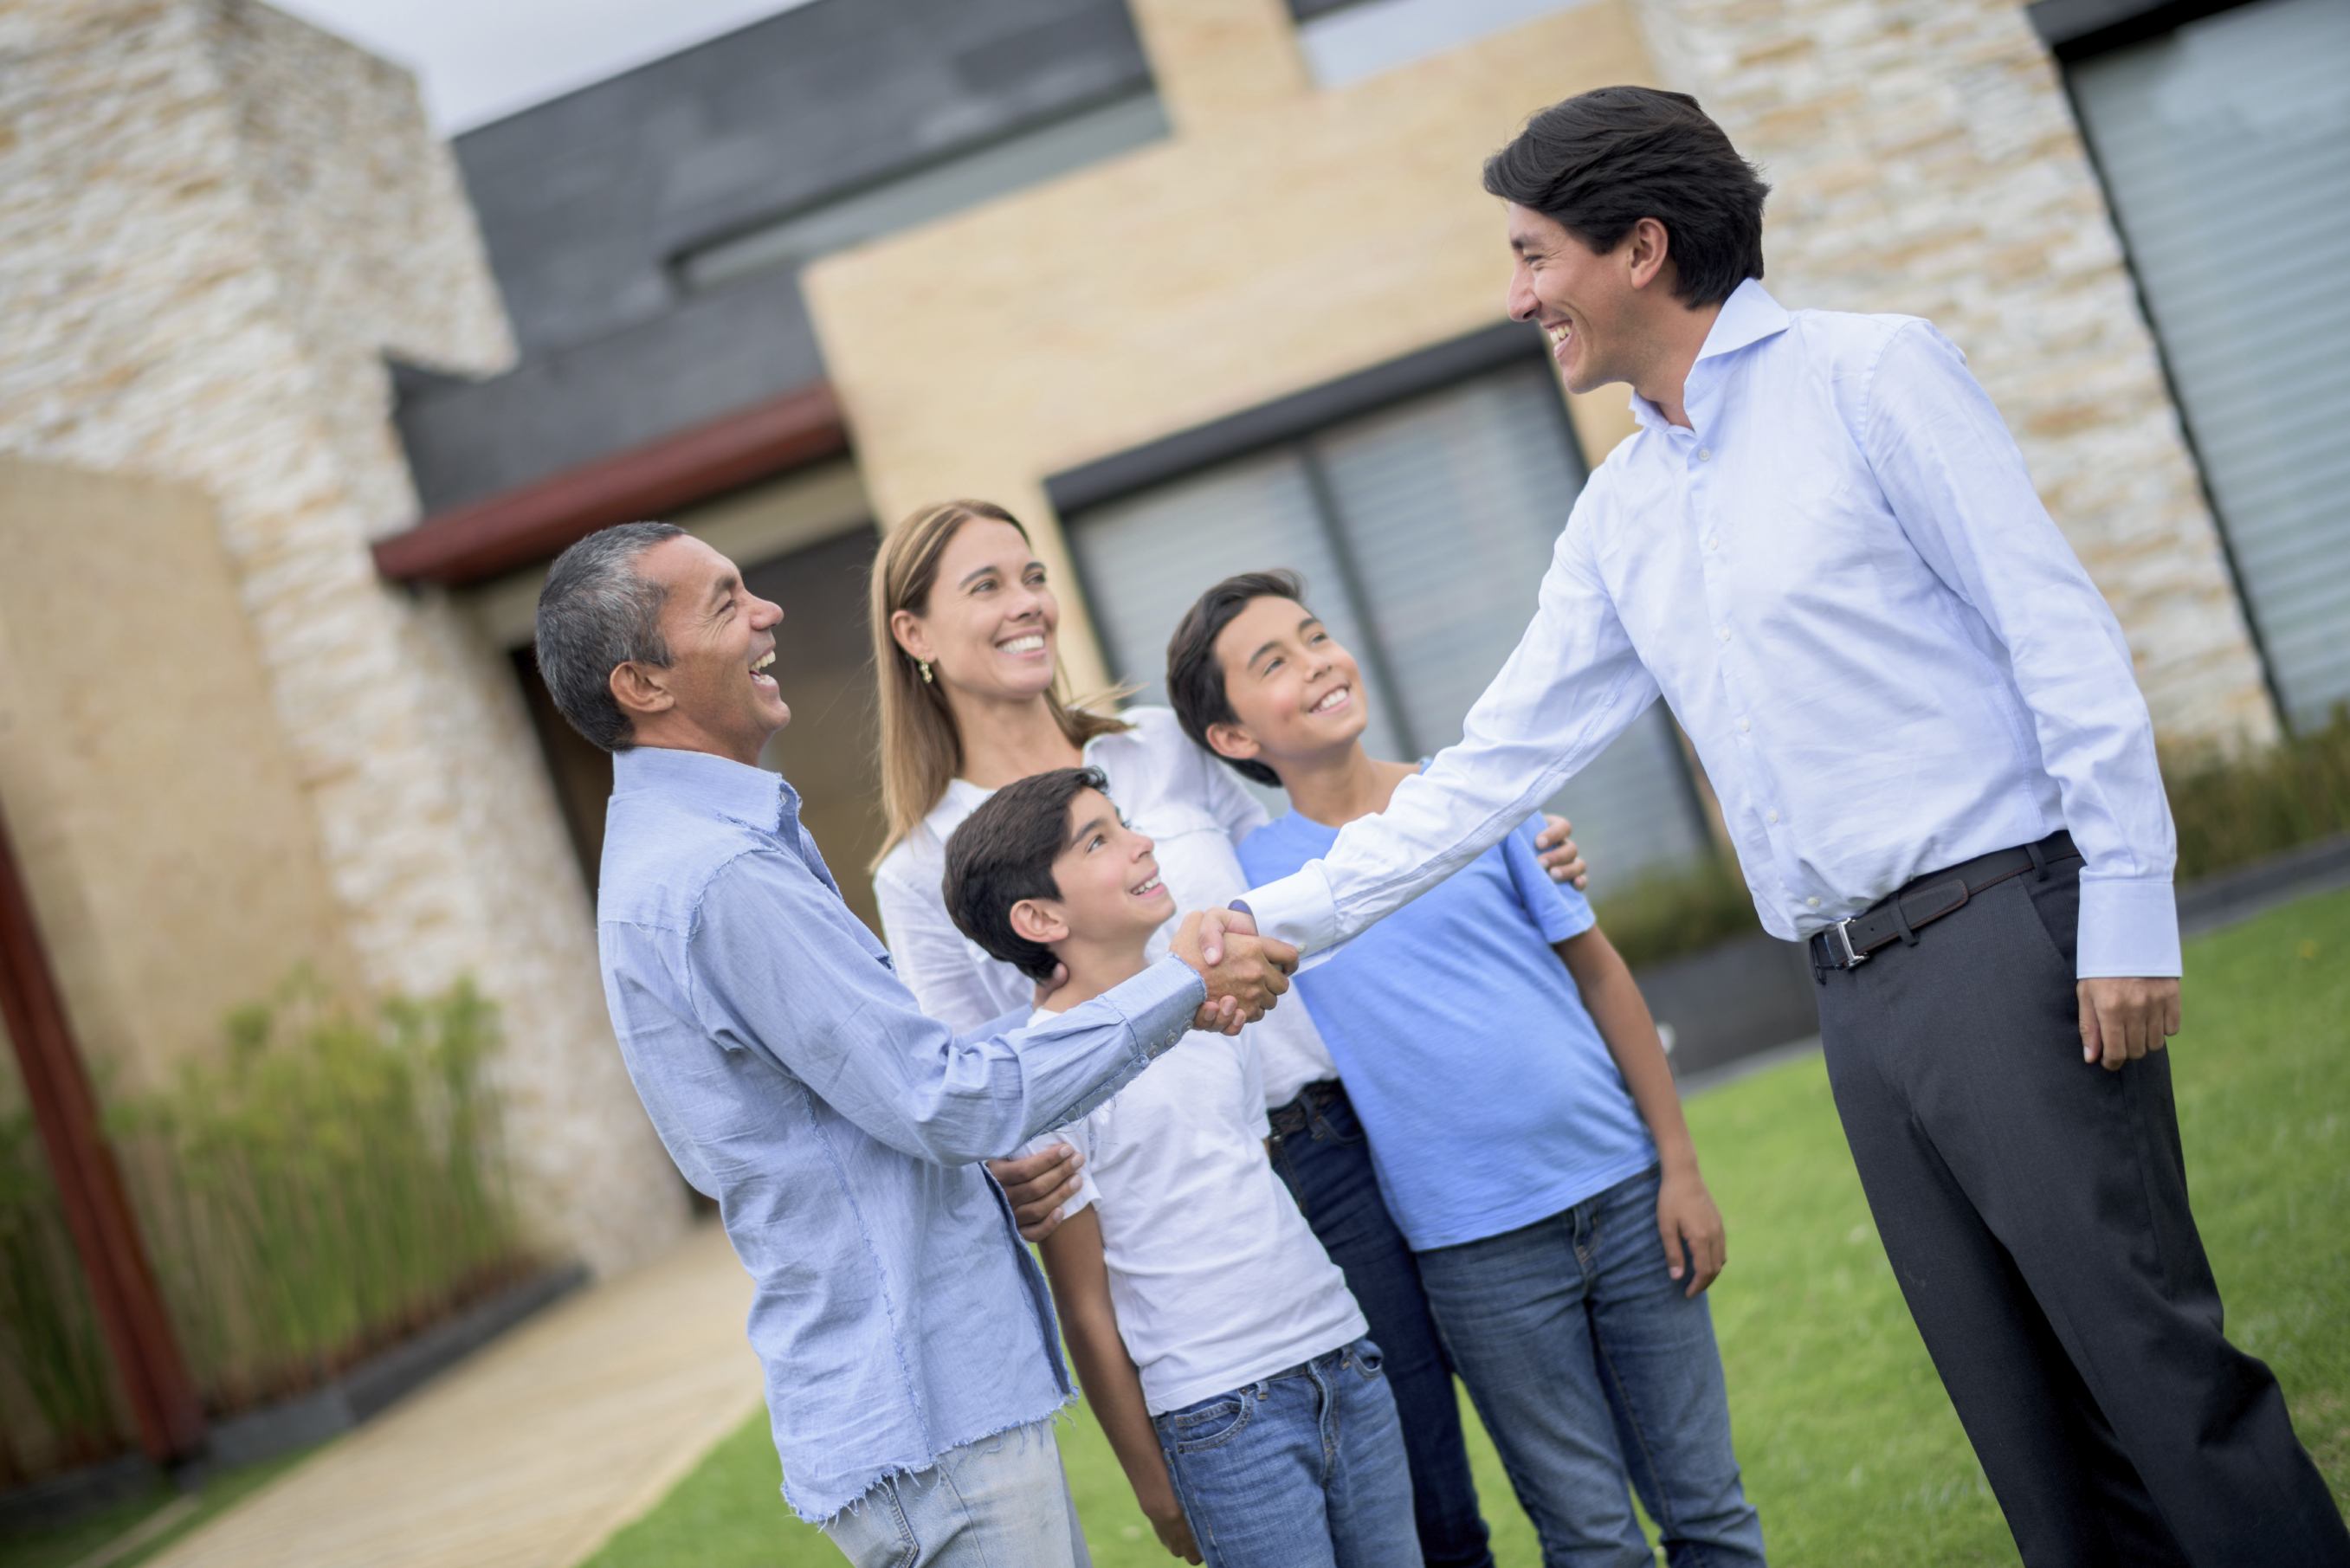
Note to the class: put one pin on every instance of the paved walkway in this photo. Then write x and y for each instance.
(532, 1452)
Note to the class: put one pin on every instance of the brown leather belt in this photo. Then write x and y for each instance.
(1897, 916)
(1295, 1118)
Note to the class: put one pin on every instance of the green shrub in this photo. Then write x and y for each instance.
(328, 1186)
(325, 1186)
(57, 1384)
(1668, 915)
(2232, 811)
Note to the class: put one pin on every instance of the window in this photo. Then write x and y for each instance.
(1347, 40)
(1422, 529)
(2225, 148)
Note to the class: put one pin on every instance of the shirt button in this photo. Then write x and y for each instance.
(1714, 542)
(1703, 455)
(1814, 903)
(1743, 726)
(1775, 816)
(1725, 634)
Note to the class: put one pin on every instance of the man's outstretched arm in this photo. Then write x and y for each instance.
(777, 972)
(1572, 686)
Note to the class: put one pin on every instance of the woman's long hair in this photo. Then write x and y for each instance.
(921, 750)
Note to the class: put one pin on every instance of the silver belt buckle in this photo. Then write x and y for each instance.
(1852, 959)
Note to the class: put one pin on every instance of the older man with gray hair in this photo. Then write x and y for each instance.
(911, 1360)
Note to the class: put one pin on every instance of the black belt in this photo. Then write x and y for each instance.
(1897, 916)
(1295, 1118)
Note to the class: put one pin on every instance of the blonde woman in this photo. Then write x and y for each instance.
(964, 640)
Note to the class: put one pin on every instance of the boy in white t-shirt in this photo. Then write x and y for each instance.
(1215, 1339)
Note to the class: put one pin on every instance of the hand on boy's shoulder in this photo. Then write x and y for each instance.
(1557, 853)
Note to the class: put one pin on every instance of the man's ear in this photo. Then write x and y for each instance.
(1649, 253)
(1233, 741)
(1039, 921)
(642, 688)
(907, 628)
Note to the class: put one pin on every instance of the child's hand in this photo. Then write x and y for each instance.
(1175, 1534)
(1686, 1214)
(1558, 854)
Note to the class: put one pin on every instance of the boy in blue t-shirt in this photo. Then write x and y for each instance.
(1522, 1117)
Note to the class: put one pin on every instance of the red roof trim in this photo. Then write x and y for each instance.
(479, 541)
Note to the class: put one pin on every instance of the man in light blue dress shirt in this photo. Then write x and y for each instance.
(1821, 548)
(913, 1363)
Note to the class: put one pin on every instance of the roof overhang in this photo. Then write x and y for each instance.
(484, 538)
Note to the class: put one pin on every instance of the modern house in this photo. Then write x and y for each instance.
(1192, 286)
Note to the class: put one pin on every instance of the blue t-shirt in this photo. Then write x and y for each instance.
(1489, 1097)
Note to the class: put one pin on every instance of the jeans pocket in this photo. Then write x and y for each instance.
(1368, 1362)
(1208, 1424)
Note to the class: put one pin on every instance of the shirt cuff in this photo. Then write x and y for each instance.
(1160, 1003)
(1297, 910)
(2129, 927)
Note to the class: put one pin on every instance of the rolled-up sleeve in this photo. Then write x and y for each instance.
(765, 976)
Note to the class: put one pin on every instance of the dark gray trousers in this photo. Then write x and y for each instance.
(2035, 1210)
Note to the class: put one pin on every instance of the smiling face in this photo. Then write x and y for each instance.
(1593, 307)
(716, 694)
(988, 630)
(1296, 693)
(1111, 897)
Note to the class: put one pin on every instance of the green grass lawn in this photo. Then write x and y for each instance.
(1850, 1449)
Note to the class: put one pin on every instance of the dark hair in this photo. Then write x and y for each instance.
(1195, 676)
(596, 614)
(1004, 852)
(1604, 159)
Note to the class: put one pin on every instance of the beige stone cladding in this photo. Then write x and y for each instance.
(1282, 237)
(1924, 160)
(219, 219)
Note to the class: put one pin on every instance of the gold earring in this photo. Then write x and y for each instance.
(925, 665)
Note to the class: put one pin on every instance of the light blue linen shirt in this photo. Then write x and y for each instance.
(1842, 581)
(897, 1312)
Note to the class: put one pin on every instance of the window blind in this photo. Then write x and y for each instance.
(2225, 148)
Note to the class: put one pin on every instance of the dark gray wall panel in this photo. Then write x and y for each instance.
(710, 357)
(582, 201)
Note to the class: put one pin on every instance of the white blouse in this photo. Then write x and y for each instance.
(1190, 804)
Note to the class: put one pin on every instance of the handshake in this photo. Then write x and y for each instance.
(1245, 972)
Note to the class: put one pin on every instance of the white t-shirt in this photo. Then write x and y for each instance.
(1216, 1278)
(1190, 804)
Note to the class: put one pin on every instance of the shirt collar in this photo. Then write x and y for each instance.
(705, 780)
(1749, 316)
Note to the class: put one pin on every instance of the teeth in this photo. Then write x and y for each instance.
(1144, 888)
(1559, 333)
(762, 663)
(1332, 701)
(1032, 643)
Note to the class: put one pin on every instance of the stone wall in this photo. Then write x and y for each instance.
(221, 220)
(1924, 159)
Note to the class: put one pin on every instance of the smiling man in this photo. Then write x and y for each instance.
(1823, 549)
(911, 1361)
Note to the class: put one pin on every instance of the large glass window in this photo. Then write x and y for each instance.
(2225, 148)
(1423, 531)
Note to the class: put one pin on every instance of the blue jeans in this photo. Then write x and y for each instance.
(1302, 1470)
(1002, 1499)
(1591, 1368)
(1327, 1170)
